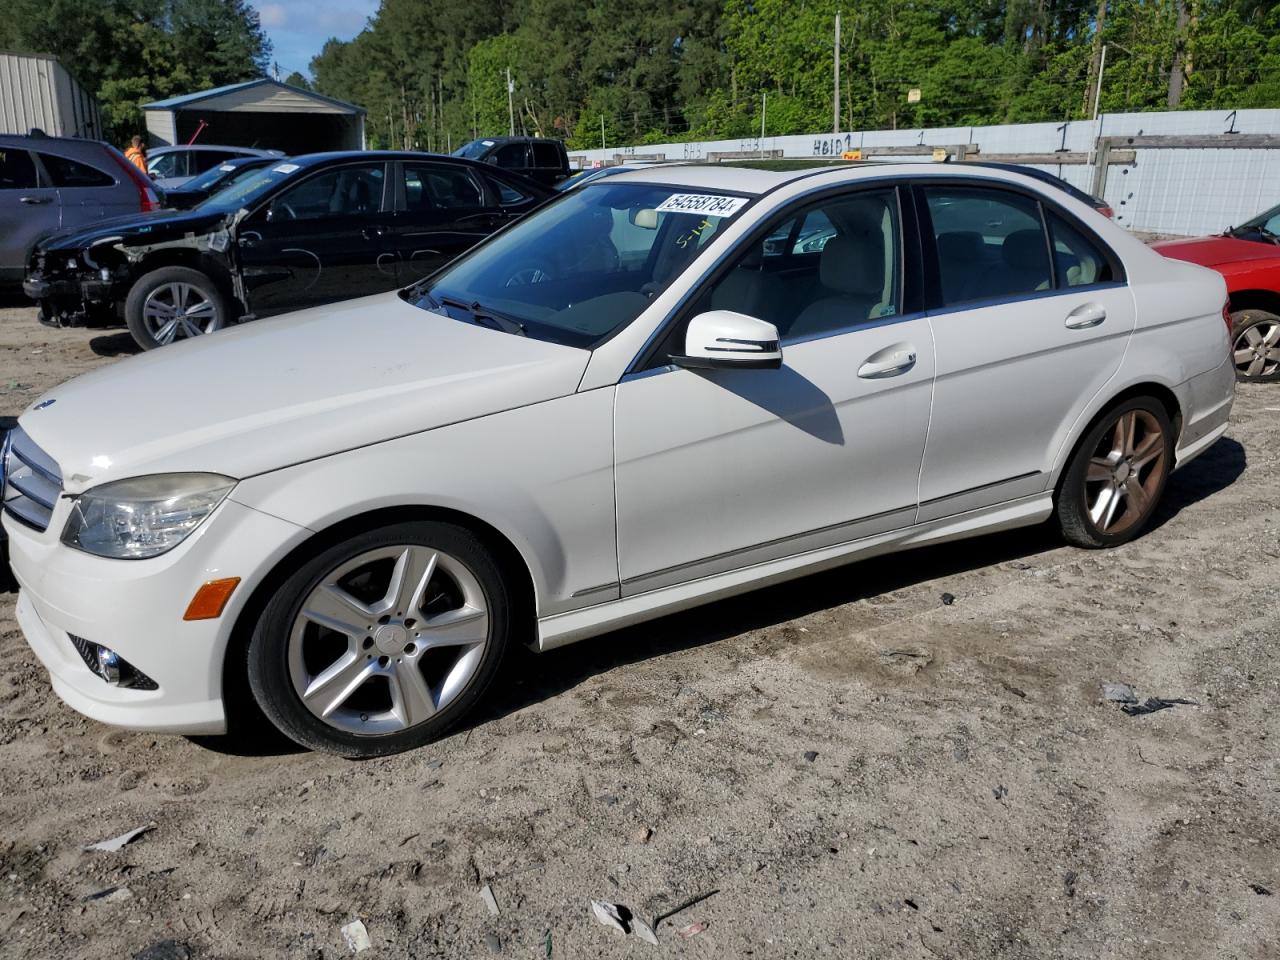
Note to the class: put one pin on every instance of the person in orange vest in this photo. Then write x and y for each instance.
(137, 154)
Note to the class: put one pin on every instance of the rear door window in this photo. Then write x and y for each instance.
(17, 172)
(72, 173)
(512, 156)
(430, 187)
(991, 243)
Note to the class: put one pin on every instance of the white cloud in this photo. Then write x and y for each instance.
(272, 15)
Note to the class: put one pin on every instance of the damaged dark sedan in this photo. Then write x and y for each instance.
(298, 233)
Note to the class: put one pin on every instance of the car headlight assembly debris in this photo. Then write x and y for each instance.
(143, 516)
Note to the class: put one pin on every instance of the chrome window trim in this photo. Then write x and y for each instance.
(1028, 297)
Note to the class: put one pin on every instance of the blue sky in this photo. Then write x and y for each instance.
(299, 28)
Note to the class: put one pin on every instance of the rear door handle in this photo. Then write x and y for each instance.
(1086, 316)
(878, 365)
(34, 200)
(373, 233)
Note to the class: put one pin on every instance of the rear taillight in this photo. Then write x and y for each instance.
(147, 199)
(1226, 317)
(1107, 212)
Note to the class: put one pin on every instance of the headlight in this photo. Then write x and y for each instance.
(143, 516)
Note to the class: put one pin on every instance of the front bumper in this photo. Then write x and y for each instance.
(135, 607)
(68, 301)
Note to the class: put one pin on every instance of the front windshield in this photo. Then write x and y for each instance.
(473, 150)
(583, 267)
(211, 177)
(243, 192)
(1267, 222)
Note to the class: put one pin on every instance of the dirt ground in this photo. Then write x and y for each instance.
(845, 766)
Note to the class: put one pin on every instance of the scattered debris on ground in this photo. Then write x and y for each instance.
(120, 842)
(491, 904)
(1153, 705)
(357, 936)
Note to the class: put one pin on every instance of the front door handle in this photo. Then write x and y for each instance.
(1086, 316)
(897, 362)
(35, 200)
(373, 233)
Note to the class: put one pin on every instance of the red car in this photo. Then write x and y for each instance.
(1248, 256)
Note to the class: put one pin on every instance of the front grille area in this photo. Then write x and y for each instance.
(32, 481)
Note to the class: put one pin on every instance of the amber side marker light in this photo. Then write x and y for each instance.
(211, 599)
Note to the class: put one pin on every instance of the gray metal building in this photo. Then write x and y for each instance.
(36, 91)
(258, 113)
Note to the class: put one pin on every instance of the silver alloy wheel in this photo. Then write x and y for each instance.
(388, 639)
(176, 310)
(1257, 349)
(1125, 472)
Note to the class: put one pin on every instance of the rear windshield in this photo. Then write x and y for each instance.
(583, 267)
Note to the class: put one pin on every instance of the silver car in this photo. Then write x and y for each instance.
(48, 183)
(171, 167)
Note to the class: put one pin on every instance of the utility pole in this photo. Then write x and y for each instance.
(602, 131)
(511, 107)
(835, 113)
(1102, 67)
(1095, 60)
(764, 110)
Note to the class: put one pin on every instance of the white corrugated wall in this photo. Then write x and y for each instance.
(36, 91)
(1173, 191)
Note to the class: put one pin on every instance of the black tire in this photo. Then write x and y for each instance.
(268, 656)
(154, 281)
(1266, 365)
(1076, 493)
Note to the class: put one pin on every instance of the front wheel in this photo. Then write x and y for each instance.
(383, 642)
(1255, 345)
(174, 303)
(1117, 475)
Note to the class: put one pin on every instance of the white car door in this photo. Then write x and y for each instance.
(719, 469)
(1024, 341)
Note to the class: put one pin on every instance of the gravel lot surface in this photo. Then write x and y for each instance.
(848, 766)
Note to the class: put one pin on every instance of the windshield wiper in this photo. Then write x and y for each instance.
(485, 317)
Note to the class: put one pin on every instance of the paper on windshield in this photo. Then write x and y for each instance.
(285, 168)
(707, 204)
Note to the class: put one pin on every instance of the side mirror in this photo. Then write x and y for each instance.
(724, 340)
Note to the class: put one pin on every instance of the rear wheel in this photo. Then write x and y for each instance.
(382, 642)
(1255, 345)
(1117, 475)
(174, 303)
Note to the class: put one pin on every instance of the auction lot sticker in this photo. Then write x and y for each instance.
(709, 205)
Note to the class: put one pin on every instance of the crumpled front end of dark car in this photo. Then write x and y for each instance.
(72, 289)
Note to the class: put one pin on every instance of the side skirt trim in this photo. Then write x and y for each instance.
(561, 629)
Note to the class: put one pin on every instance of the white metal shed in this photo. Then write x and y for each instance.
(36, 91)
(258, 113)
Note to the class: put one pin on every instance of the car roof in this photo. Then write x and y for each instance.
(197, 147)
(761, 176)
(510, 139)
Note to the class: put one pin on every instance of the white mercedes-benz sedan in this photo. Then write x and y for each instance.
(661, 389)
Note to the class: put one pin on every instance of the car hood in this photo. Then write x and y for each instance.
(134, 228)
(305, 385)
(1215, 251)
